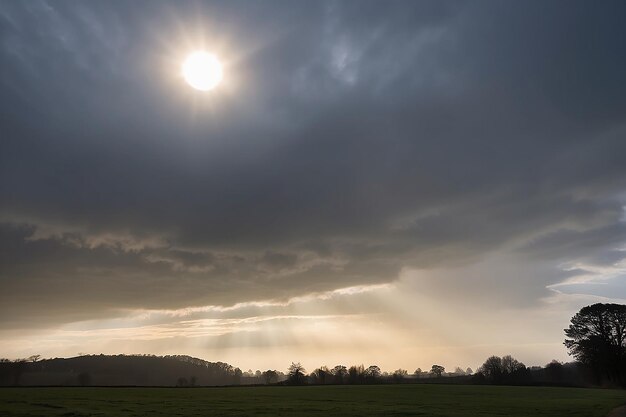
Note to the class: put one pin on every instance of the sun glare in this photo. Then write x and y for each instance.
(202, 71)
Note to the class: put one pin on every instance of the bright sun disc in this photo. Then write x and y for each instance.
(202, 71)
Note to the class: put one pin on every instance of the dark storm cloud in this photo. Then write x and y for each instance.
(363, 137)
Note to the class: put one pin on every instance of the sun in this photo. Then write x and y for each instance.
(202, 71)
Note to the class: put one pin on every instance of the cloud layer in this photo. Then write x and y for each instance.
(475, 148)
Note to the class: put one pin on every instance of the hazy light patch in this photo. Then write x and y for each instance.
(416, 321)
(333, 327)
(398, 326)
(407, 324)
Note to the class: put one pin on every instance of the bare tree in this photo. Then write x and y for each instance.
(296, 374)
(504, 370)
(510, 364)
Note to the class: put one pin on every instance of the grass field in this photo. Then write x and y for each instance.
(387, 400)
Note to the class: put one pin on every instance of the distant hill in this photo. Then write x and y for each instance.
(119, 370)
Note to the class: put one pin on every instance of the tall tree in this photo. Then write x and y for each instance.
(296, 374)
(596, 337)
(356, 374)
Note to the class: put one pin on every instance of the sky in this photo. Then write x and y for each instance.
(398, 183)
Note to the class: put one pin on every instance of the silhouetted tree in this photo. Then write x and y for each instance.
(504, 370)
(339, 374)
(492, 369)
(510, 365)
(270, 377)
(356, 374)
(399, 375)
(519, 375)
(596, 337)
(296, 374)
(419, 373)
(320, 375)
(237, 374)
(437, 370)
(469, 371)
(182, 382)
(372, 373)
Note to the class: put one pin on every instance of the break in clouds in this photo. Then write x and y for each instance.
(471, 155)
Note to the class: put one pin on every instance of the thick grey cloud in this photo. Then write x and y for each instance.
(359, 138)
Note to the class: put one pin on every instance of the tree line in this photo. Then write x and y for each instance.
(495, 370)
(596, 338)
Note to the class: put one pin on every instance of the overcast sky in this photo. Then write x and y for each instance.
(392, 183)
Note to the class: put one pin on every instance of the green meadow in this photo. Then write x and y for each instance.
(370, 400)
